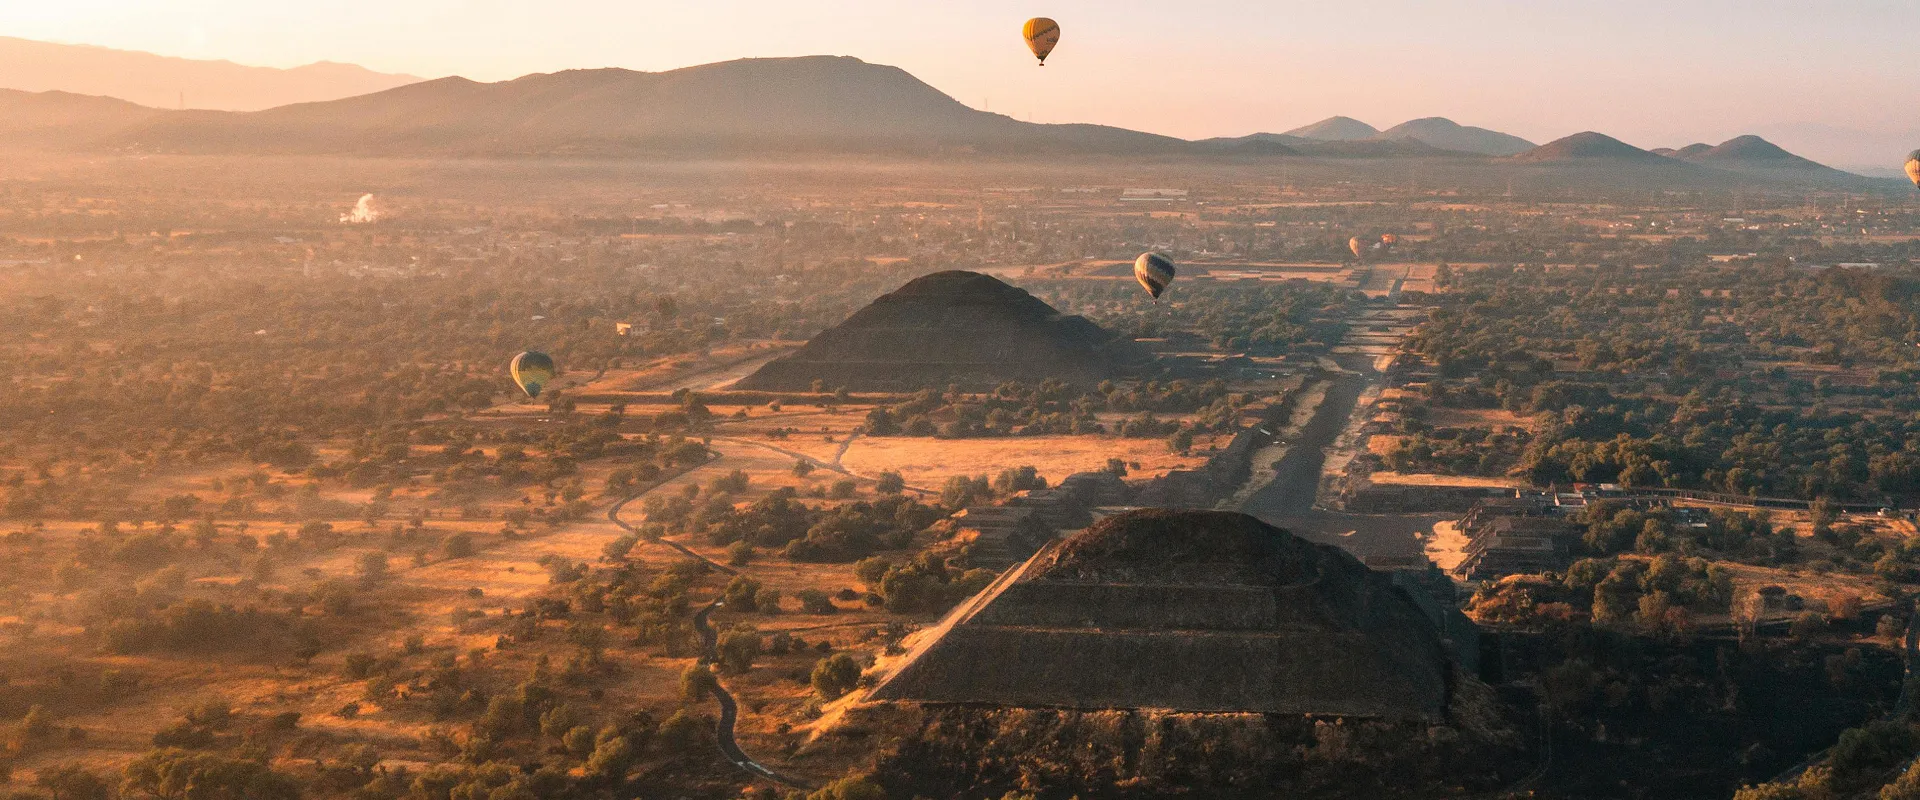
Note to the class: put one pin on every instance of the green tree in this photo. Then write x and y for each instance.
(835, 675)
(457, 545)
(814, 601)
(579, 741)
(617, 550)
(871, 570)
(371, 567)
(612, 755)
(171, 774)
(737, 650)
(681, 732)
(72, 782)
(696, 682)
(740, 593)
(849, 788)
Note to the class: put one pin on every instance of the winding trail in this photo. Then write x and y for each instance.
(709, 646)
(830, 466)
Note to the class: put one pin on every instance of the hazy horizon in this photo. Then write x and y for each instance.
(1820, 79)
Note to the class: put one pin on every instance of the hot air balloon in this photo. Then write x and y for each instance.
(1154, 272)
(1389, 239)
(1042, 34)
(1358, 247)
(532, 370)
(1913, 168)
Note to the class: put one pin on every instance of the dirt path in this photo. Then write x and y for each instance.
(718, 376)
(830, 466)
(709, 653)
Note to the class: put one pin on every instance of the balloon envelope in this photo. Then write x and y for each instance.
(1154, 272)
(533, 370)
(1041, 34)
(1389, 239)
(1358, 247)
(1913, 167)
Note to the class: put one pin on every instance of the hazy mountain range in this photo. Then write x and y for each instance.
(166, 82)
(814, 104)
(1437, 132)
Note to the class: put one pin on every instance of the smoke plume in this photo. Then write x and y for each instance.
(362, 212)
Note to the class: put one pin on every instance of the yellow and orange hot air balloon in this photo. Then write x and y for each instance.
(1913, 168)
(1389, 239)
(1041, 34)
(1358, 247)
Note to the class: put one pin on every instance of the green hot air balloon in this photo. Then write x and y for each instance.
(1154, 272)
(533, 370)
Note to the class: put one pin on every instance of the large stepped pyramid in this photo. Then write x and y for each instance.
(947, 328)
(1193, 611)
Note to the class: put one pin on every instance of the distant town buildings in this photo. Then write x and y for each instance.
(1153, 194)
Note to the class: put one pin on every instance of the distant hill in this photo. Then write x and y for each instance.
(1586, 147)
(164, 82)
(951, 327)
(813, 103)
(50, 118)
(1377, 148)
(1752, 155)
(1445, 134)
(1268, 144)
(1336, 129)
(1747, 152)
(1592, 159)
(1281, 144)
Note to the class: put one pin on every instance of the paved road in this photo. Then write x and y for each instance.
(1288, 501)
(709, 647)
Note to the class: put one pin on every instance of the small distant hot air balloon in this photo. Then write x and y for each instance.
(1358, 247)
(533, 370)
(1042, 34)
(1389, 239)
(1913, 168)
(1154, 272)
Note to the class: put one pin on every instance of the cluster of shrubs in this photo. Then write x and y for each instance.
(1658, 594)
(1055, 407)
(926, 583)
(799, 531)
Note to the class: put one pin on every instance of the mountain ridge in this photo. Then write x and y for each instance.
(1445, 134)
(810, 102)
(1590, 146)
(1335, 129)
(1752, 155)
(158, 81)
(808, 105)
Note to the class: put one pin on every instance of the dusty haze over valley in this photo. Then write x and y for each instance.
(837, 404)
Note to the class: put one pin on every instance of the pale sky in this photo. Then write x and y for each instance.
(1833, 79)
